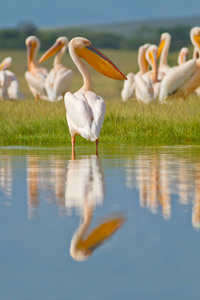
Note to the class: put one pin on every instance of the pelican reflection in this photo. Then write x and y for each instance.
(6, 175)
(152, 181)
(85, 190)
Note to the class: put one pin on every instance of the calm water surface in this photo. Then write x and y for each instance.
(124, 225)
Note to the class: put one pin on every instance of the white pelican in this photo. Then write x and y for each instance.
(128, 90)
(36, 75)
(146, 85)
(183, 55)
(9, 86)
(59, 78)
(183, 80)
(85, 109)
(163, 50)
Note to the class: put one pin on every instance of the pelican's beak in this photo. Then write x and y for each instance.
(100, 62)
(4, 65)
(197, 40)
(153, 56)
(160, 47)
(53, 50)
(146, 63)
(101, 233)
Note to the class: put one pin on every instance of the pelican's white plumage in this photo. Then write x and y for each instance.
(36, 75)
(183, 80)
(9, 86)
(146, 85)
(128, 90)
(85, 109)
(59, 78)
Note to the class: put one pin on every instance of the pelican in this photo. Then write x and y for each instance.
(9, 86)
(128, 90)
(163, 50)
(146, 85)
(36, 75)
(59, 78)
(183, 55)
(86, 110)
(183, 80)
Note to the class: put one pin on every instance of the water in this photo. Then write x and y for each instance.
(124, 225)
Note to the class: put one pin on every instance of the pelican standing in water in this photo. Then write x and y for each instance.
(85, 109)
(147, 85)
(9, 86)
(36, 75)
(128, 90)
(183, 80)
(59, 78)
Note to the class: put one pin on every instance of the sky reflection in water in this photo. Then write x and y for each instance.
(133, 212)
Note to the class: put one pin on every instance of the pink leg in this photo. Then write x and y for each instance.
(73, 144)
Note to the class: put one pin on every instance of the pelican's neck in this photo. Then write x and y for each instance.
(143, 67)
(81, 231)
(155, 73)
(32, 63)
(87, 82)
(165, 51)
(57, 59)
(196, 53)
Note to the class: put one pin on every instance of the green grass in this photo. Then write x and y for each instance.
(44, 123)
(29, 123)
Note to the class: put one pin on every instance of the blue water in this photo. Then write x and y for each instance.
(46, 199)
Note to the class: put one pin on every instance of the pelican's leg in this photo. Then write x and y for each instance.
(73, 144)
(97, 142)
(36, 98)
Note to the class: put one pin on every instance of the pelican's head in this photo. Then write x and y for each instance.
(5, 64)
(164, 38)
(59, 44)
(84, 49)
(183, 55)
(32, 42)
(33, 45)
(83, 245)
(195, 37)
(151, 55)
(141, 57)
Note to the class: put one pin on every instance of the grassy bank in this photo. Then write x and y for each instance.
(44, 123)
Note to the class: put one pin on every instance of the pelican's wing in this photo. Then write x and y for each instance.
(35, 83)
(98, 110)
(13, 86)
(143, 88)
(175, 78)
(62, 82)
(128, 90)
(3, 85)
(78, 114)
(192, 84)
